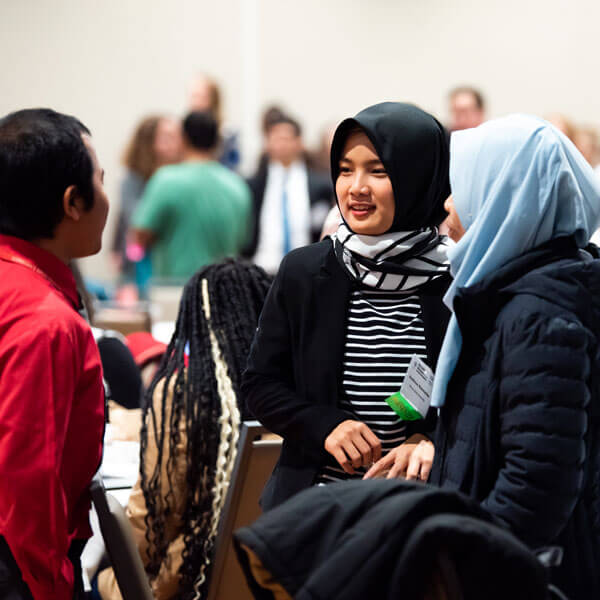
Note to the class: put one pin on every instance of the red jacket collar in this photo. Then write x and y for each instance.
(41, 261)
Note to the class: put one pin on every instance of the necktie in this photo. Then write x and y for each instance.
(287, 234)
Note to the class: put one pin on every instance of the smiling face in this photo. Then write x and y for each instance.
(363, 188)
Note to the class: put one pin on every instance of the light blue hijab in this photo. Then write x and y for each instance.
(517, 182)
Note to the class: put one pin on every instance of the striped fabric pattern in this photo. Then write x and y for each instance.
(384, 331)
(401, 261)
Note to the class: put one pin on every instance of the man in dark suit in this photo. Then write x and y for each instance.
(290, 200)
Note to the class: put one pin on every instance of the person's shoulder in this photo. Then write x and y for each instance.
(559, 288)
(540, 313)
(64, 316)
(51, 322)
(172, 184)
(228, 179)
(221, 171)
(35, 312)
(308, 259)
(300, 268)
(167, 176)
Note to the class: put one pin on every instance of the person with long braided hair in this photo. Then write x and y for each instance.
(190, 429)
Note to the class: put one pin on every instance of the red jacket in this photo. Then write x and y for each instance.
(51, 415)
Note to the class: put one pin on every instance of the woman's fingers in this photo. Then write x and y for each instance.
(380, 466)
(365, 450)
(353, 453)
(419, 465)
(414, 467)
(400, 463)
(412, 461)
(399, 466)
(343, 460)
(374, 443)
(426, 465)
(353, 445)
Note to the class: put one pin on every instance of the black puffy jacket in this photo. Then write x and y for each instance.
(382, 539)
(520, 428)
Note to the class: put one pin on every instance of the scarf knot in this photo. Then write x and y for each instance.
(400, 261)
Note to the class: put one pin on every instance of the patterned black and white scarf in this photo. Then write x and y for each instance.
(401, 261)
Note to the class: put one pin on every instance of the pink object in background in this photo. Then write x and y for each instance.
(134, 252)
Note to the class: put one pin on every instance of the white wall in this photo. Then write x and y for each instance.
(526, 55)
(112, 62)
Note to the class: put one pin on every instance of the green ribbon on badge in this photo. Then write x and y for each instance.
(403, 408)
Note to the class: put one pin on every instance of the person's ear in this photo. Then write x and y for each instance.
(73, 205)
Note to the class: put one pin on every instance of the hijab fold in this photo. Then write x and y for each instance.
(517, 183)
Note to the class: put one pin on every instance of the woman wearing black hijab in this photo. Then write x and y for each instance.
(345, 317)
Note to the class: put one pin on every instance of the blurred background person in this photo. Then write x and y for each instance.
(319, 158)
(270, 115)
(185, 450)
(562, 123)
(196, 212)
(290, 200)
(205, 95)
(147, 353)
(586, 140)
(156, 142)
(466, 108)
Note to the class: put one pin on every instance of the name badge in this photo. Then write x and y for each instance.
(412, 401)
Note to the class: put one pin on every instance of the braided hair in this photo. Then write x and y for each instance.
(202, 367)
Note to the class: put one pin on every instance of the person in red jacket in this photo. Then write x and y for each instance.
(53, 209)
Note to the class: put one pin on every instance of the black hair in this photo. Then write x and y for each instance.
(41, 155)
(283, 119)
(475, 93)
(201, 130)
(237, 292)
(271, 114)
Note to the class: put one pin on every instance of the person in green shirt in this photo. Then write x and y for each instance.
(196, 212)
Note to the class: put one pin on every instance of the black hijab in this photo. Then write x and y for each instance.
(413, 147)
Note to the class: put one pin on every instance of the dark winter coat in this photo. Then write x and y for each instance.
(388, 539)
(294, 375)
(520, 428)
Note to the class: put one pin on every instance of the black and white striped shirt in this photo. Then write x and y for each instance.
(384, 331)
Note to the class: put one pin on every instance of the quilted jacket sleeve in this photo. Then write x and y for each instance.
(544, 392)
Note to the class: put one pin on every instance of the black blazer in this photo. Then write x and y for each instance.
(294, 376)
(320, 195)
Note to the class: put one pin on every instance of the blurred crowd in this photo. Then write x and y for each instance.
(484, 301)
(176, 168)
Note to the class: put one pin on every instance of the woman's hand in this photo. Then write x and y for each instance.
(411, 460)
(353, 445)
